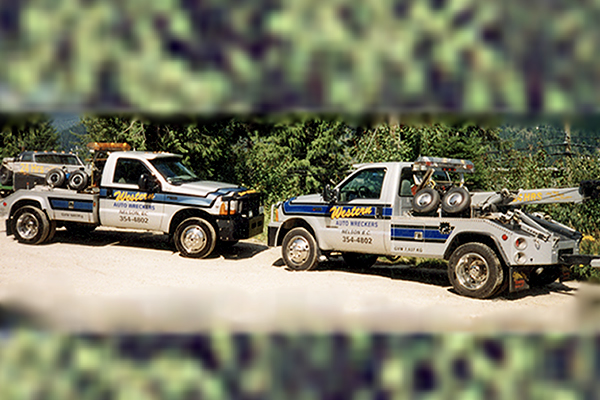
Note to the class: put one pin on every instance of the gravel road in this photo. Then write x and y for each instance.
(115, 280)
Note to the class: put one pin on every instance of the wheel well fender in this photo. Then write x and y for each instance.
(23, 203)
(291, 224)
(473, 237)
(182, 215)
(19, 204)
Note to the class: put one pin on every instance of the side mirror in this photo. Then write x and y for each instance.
(148, 183)
(330, 195)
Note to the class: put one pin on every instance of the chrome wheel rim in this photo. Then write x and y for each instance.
(298, 250)
(193, 239)
(472, 271)
(424, 199)
(454, 199)
(27, 226)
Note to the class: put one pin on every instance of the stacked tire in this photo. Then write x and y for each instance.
(455, 201)
(77, 180)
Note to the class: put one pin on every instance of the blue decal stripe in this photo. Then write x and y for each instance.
(168, 198)
(63, 204)
(321, 210)
(408, 233)
(325, 210)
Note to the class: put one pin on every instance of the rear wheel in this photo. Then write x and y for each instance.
(31, 225)
(299, 250)
(195, 238)
(359, 261)
(475, 271)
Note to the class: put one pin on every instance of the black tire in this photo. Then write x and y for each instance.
(545, 277)
(359, 260)
(56, 178)
(30, 225)
(79, 229)
(456, 200)
(300, 251)
(426, 200)
(51, 232)
(78, 180)
(475, 271)
(5, 176)
(195, 238)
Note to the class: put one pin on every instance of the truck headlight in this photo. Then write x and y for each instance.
(228, 207)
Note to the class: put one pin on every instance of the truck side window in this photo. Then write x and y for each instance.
(406, 182)
(367, 184)
(27, 157)
(128, 171)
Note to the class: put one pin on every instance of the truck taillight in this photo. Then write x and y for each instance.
(276, 217)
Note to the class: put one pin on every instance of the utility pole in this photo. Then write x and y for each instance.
(567, 142)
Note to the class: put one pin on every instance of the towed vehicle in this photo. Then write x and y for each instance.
(140, 190)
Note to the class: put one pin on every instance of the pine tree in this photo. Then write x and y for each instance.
(29, 132)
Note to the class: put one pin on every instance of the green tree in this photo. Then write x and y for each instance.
(296, 156)
(28, 132)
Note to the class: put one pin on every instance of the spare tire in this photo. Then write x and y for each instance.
(426, 200)
(5, 176)
(456, 200)
(78, 180)
(56, 178)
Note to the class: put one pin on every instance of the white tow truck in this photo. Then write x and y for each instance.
(139, 190)
(414, 209)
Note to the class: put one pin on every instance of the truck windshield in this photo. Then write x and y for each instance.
(173, 170)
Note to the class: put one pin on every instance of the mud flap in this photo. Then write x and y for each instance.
(565, 274)
(519, 278)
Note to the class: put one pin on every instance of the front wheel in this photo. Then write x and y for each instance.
(475, 271)
(195, 238)
(300, 251)
(358, 260)
(31, 226)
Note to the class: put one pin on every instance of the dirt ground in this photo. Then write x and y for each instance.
(124, 281)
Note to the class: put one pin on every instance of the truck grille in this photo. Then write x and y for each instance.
(250, 204)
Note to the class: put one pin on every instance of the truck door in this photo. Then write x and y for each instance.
(124, 205)
(359, 217)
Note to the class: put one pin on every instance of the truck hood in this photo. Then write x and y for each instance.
(309, 198)
(204, 187)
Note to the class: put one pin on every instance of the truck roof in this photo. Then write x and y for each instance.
(382, 164)
(148, 155)
(446, 164)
